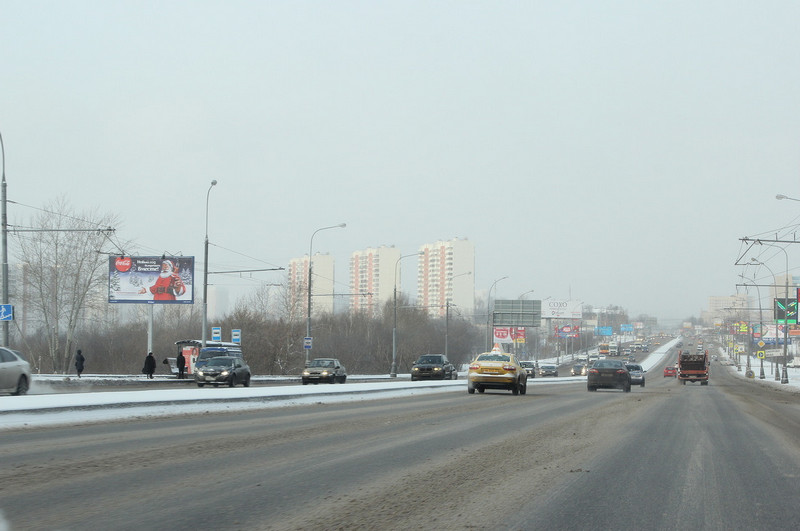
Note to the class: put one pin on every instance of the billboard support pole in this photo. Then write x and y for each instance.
(150, 328)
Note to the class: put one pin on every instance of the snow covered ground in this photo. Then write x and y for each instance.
(43, 407)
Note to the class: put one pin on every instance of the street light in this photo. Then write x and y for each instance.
(393, 372)
(310, 248)
(447, 317)
(781, 196)
(4, 244)
(761, 375)
(489, 315)
(785, 375)
(205, 270)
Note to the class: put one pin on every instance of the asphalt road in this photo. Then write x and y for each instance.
(667, 456)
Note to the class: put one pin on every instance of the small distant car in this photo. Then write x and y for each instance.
(530, 368)
(324, 370)
(671, 372)
(433, 366)
(637, 373)
(548, 370)
(15, 372)
(497, 370)
(225, 370)
(578, 370)
(609, 374)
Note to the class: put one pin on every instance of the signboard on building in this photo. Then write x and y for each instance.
(151, 279)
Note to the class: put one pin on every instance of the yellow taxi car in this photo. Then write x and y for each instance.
(497, 370)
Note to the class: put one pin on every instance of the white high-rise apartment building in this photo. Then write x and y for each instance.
(322, 284)
(372, 279)
(446, 274)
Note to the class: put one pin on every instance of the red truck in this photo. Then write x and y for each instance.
(693, 367)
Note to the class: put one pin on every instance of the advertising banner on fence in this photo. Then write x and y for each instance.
(151, 279)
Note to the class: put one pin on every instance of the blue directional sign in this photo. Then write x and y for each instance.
(6, 312)
(216, 333)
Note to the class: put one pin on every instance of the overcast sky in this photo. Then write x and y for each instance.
(612, 151)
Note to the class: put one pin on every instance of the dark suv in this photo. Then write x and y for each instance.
(433, 366)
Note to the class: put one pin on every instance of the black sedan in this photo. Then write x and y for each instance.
(608, 374)
(225, 370)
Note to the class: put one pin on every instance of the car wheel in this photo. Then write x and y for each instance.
(344, 378)
(642, 383)
(470, 388)
(523, 386)
(232, 382)
(481, 390)
(591, 388)
(515, 388)
(22, 386)
(413, 379)
(455, 375)
(305, 382)
(247, 381)
(200, 384)
(627, 387)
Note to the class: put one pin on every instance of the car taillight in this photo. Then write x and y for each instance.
(620, 371)
(509, 368)
(594, 371)
(474, 367)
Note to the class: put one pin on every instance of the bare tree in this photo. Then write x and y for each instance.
(65, 275)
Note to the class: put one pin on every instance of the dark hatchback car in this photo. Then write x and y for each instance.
(433, 366)
(608, 374)
(530, 368)
(225, 370)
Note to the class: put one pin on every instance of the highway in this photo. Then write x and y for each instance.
(667, 456)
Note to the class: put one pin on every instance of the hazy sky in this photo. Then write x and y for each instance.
(615, 151)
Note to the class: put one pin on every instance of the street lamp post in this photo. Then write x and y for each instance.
(447, 317)
(785, 375)
(785, 324)
(393, 372)
(4, 244)
(205, 270)
(308, 307)
(761, 375)
(489, 315)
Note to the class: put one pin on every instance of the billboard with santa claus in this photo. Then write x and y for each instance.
(151, 279)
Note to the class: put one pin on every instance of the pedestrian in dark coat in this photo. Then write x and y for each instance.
(181, 362)
(149, 365)
(79, 361)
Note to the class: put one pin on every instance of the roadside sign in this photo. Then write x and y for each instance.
(216, 333)
(307, 342)
(236, 335)
(761, 354)
(761, 344)
(6, 312)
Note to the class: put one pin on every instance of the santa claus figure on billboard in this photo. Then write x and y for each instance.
(169, 285)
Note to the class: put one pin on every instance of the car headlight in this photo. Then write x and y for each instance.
(415, 369)
(324, 373)
(437, 368)
(199, 373)
(224, 373)
(306, 373)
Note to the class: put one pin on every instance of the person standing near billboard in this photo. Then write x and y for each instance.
(168, 286)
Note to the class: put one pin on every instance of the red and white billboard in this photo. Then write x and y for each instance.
(151, 279)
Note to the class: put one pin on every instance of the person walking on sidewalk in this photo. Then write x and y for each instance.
(149, 365)
(79, 361)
